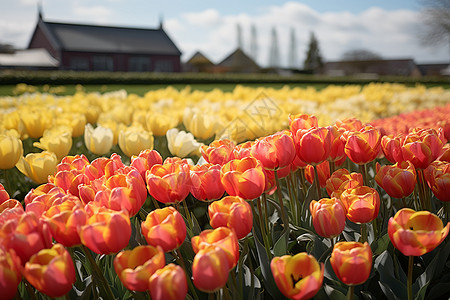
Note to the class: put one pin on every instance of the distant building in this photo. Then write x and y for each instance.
(198, 63)
(238, 62)
(106, 48)
(36, 59)
(435, 69)
(381, 67)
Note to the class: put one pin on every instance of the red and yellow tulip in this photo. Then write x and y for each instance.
(416, 233)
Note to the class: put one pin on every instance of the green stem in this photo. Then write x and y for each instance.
(188, 215)
(363, 233)
(266, 217)
(291, 199)
(226, 293)
(7, 185)
(30, 290)
(363, 171)
(180, 261)
(332, 167)
(280, 199)
(425, 199)
(350, 292)
(155, 203)
(410, 273)
(317, 183)
(332, 243)
(404, 202)
(96, 272)
(263, 229)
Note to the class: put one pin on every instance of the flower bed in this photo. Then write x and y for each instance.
(256, 193)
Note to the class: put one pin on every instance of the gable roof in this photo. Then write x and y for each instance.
(199, 58)
(108, 39)
(239, 61)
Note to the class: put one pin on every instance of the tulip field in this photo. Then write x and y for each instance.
(255, 193)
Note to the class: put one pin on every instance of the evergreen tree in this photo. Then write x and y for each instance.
(274, 54)
(313, 61)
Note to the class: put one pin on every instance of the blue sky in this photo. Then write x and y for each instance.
(388, 28)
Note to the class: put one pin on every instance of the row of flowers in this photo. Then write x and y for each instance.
(292, 202)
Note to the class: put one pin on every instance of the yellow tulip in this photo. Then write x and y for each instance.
(99, 140)
(10, 151)
(38, 166)
(57, 140)
(159, 124)
(202, 126)
(181, 143)
(36, 122)
(133, 140)
(76, 121)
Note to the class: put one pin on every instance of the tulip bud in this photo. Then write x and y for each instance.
(351, 262)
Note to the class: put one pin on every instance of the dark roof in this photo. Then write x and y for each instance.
(108, 39)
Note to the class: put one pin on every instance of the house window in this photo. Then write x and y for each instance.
(139, 64)
(103, 63)
(163, 66)
(79, 64)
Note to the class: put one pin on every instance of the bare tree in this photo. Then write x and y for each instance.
(360, 54)
(435, 16)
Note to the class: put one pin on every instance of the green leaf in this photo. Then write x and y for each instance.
(268, 280)
(333, 293)
(439, 290)
(391, 286)
(280, 247)
(380, 245)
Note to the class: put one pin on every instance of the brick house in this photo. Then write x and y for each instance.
(106, 48)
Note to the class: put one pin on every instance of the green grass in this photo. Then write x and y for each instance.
(7, 90)
(140, 89)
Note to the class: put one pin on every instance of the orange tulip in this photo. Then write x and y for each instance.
(206, 184)
(275, 151)
(244, 178)
(3, 194)
(169, 183)
(328, 216)
(164, 227)
(341, 180)
(349, 124)
(222, 237)
(232, 212)
(313, 145)
(362, 146)
(416, 233)
(51, 271)
(302, 121)
(64, 220)
(100, 234)
(26, 234)
(218, 152)
(351, 262)
(145, 161)
(164, 280)
(123, 192)
(10, 275)
(210, 269)
(135, 267)
(397, 180)
(9, 210)
(392, 147)
(337, 145)
(422, 147)
(323, 170)
(299, 276)
(438, 177)
(362, 204)
(69, 181)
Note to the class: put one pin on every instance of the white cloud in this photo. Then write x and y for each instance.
(96, 13)
(209, 17)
